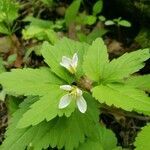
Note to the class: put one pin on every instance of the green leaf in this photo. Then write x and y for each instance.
(12, 58)
(9, 10)
(109, 23)
(124, 23)
(72, 11)
(96, 33)
(98, 6)
(46, 108)
(45, 24)
(8, 13)
(122, 96)
(142, 139)
(37, 32)
(89, 20)
(4, 29)
(51, 36)
(95, 60)
(82, 37)
(65, 47)
(29, 81)
(141, 82)
(101, 18)
(33, 32)
(91, 145)
(106, 141)
(107, 138)
(59, 132)
(93, 35)
(39, 29)
(125, 65)
(15, 139)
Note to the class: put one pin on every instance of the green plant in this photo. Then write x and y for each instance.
(60, 111)
(118, 22)
(142, 139)
(72, 11)
(40, 29)
(73, 16)
(8, 14)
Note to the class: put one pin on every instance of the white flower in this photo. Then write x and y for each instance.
(70, 64)
(73, 93)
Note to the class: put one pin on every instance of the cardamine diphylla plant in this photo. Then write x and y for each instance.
(63, 101)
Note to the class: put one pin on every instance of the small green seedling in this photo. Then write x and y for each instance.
(118, 22)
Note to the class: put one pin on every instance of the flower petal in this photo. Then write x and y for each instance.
(66, 62)
(64, 101)
(79, 92)
(66, 87)
(75, 60)
(82, 105)
(65, 65)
